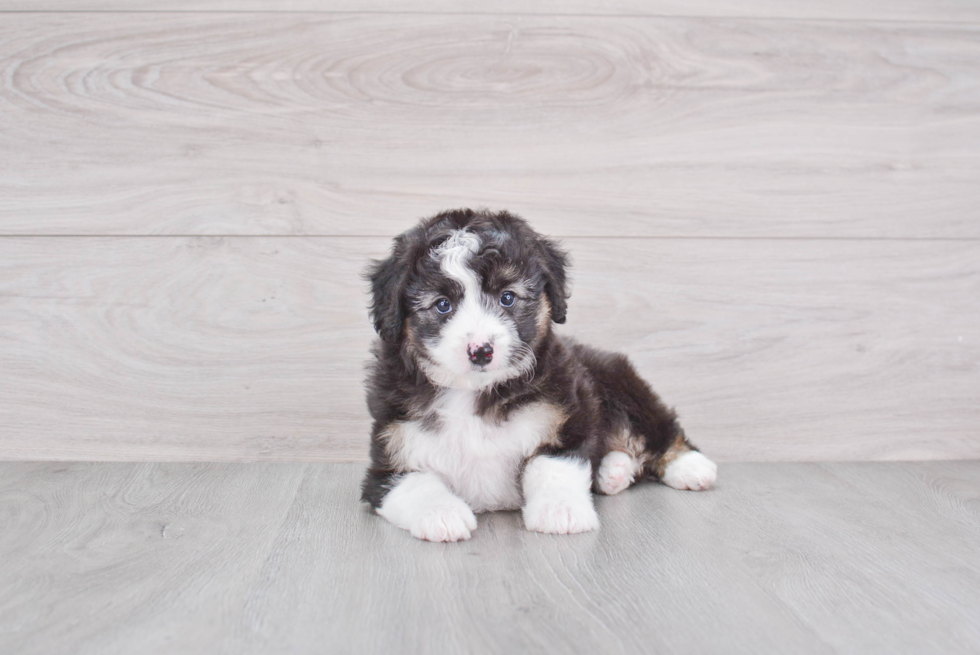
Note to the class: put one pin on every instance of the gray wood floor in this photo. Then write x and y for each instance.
(280, 558)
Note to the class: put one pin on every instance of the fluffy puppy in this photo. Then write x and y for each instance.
(478, 405)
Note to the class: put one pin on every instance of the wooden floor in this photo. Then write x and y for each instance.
(771, 207)
(281, 558)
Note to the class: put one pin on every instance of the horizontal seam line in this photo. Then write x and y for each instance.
(551, 236)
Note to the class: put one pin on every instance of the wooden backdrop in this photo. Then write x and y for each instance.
(773, 207)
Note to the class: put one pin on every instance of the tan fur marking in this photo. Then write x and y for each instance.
(509, 272)
(393, 437)
(409, 333)
(558, 418)
(543, 317)
(678, 448)
(626, 442)
(632, 445)
(412, 344)
(520, 287)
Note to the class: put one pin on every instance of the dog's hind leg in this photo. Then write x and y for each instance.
(655, 439)
(616, 472)
(643, 428)
(680, 465)
(683, 467)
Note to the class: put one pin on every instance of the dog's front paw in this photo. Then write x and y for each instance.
(561, 515)
(449, 522)
(692, 470)
(422, 504)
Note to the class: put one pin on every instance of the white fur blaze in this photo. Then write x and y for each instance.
(422, 504)
(616, 472)
(692, 470)
(476, 320)
(557, 496)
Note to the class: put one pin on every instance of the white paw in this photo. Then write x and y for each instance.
(422, 504)
(450, 522)
(615, 472)
(692, 470)
(560, 515)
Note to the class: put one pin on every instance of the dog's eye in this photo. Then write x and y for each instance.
(507, 298)
(443, 306)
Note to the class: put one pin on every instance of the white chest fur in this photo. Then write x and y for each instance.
(478, 459)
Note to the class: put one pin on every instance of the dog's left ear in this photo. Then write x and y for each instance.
(556, 284)
(388, 278)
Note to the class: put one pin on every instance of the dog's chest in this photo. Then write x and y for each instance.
(478, 458)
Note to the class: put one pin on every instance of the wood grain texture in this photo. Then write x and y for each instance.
(907, 10)
(244, 348)
(349, 124)
(259, 558)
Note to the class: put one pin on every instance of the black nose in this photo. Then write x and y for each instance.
(481, 355)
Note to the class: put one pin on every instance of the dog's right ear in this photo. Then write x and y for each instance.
(388, 278)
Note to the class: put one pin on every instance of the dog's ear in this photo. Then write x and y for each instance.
(556, 283)
(388, 278)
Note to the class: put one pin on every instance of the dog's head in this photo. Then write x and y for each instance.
(468, 296)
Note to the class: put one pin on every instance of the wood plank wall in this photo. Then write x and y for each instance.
(773, 209)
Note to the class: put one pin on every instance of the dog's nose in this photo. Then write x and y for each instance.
(480, 354)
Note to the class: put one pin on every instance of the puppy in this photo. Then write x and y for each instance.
(478, 405)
